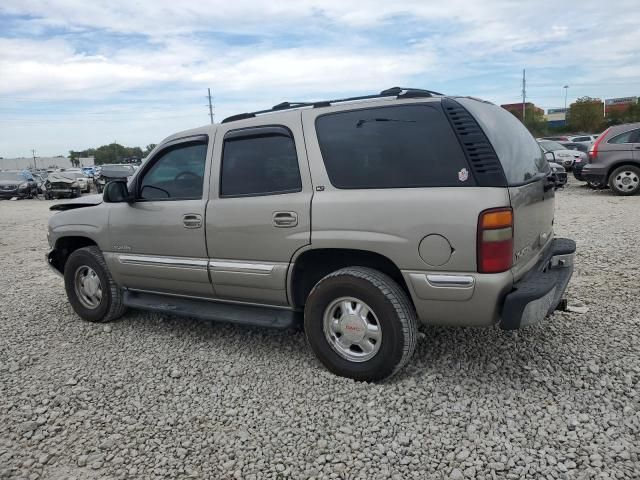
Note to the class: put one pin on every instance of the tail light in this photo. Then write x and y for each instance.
(593, 149)
(495, 240)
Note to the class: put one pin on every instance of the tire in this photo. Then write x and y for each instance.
(110, 306)
(625, 180)
(390, 310)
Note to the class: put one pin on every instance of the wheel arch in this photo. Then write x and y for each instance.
(64, 247)
(310, 266)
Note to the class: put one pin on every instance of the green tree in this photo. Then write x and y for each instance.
(533, 120)
(148, 149)
(586, 115)
(630, 114)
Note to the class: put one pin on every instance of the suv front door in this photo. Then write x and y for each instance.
(158, 241)
(259, 212)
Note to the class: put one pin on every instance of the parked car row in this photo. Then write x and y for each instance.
(585, 139)
(609, 160)
(61, 182)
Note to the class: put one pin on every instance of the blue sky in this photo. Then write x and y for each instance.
(76, 74)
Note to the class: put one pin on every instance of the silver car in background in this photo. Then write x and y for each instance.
(558, 153)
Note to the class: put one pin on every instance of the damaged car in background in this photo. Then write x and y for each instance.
(59, 185)
(109, 173)
(15, 184)
(559, 173)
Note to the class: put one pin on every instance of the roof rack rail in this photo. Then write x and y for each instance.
(398, 92)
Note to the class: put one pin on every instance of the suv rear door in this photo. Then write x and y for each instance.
(526, 169)
(259, 212)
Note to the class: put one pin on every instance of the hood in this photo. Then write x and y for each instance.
(55, 178)
(80, 202)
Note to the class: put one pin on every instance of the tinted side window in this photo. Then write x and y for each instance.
(626, 137)
(259, 165)
(391, 147)
(521, 157)
(178, 174)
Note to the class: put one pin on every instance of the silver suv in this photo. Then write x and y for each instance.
(614, 159)
(361, 216)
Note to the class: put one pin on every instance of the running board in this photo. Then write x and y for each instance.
(212, 310)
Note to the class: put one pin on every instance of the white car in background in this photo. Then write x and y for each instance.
(587, 139)
(78, 176)
(555, 152)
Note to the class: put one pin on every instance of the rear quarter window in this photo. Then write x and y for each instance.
(520, 155)
(392, 147)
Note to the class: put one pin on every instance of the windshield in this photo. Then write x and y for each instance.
(14, 176)
(117, 170)
(549, 146)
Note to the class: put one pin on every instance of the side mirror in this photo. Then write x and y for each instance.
(117, 192)
(549, 156)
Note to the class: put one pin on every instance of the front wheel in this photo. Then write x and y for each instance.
(90, 288)
(360, 324)
(625, 180)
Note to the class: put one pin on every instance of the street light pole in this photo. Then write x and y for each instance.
(566, 92)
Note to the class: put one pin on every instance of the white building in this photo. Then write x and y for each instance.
(23, 163)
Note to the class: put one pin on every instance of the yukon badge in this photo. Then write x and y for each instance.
(122, 248)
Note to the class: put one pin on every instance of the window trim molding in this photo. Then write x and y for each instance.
(200, 139)
(261, 131)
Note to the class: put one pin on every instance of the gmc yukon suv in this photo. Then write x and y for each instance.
(363, 216)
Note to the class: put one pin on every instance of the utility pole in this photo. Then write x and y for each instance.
(35, 165)
(524, 94)
(210, 106)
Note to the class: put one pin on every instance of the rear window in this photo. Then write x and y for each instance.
(391, 147)
(520, 155)
(631, 136)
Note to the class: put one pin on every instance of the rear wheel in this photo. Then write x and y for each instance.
(360, 324)
(91, 291)
(625, 180)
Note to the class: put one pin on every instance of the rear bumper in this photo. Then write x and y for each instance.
(577, 172)
(537, 294)
(597, 175)
(471, 299)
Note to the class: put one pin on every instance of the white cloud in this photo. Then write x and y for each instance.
(63, 51)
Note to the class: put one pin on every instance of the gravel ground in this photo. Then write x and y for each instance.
(154, 397)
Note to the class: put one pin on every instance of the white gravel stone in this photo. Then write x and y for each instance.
(183, 398)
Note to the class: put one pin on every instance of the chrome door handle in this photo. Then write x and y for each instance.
(192, 220)
(285, 219)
